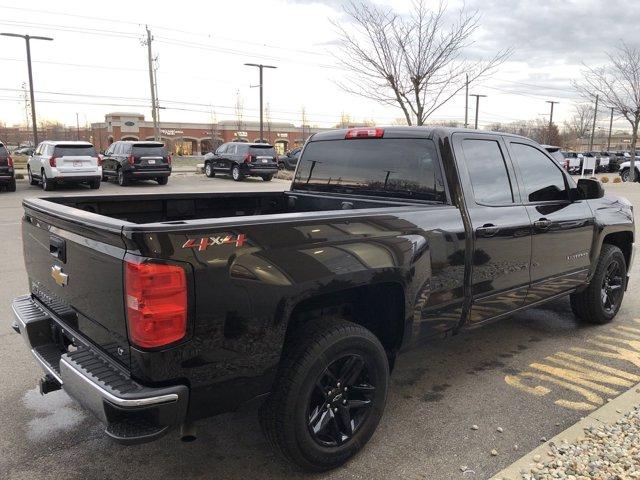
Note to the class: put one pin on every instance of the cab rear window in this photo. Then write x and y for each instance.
(389, 167)
(74, 151)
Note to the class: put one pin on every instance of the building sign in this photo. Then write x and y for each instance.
(130, 123)
(241, 134)
(171, 133)
(283, 135)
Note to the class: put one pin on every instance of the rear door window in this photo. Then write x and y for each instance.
(158, 150)
(3, 151)
(75, 151)
(488, 172)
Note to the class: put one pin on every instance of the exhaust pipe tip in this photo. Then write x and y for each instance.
(188, 432)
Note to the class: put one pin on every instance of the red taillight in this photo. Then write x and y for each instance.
(100, 160)
(131, 159)
(247, 158)
(156, 299)
(169, 159)
(52, 161)
(10, 161)
(364, 133)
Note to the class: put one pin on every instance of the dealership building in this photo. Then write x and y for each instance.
(196, 138)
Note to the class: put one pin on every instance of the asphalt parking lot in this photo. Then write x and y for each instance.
(531, 375)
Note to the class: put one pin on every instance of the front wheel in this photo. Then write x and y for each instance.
(600, 301)
(32, 181)
(208, 170)
(236, 174)
(329, 394)
(625, 175)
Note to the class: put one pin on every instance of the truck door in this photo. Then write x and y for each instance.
(501, 226)
(562, 230)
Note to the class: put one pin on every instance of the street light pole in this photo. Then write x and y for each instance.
(27, 39)
(477, 106)
(260, 68)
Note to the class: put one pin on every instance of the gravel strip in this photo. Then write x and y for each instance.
(606, 452)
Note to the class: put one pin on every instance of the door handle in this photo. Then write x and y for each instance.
(542, 224)
(487, 230)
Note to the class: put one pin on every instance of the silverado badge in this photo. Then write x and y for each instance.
(59, 276)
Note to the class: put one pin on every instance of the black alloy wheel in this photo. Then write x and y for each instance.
(612, 287)
(340, 402)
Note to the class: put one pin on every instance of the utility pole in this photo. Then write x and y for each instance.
(260, 68)
(477, 106)
(593, 125)
(154, 106)
(466, 103)
(550, 120)
(27, 39)
(77, 127)
(610, 128)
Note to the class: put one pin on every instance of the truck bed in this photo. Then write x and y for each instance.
(161, 208)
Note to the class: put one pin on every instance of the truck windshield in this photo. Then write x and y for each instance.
(75, 151)
(401, 168)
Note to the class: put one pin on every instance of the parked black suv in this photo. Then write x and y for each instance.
(289, 160)
(127, 161)
(242, 160)
(7, 178)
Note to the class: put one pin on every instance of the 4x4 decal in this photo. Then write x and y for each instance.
(205, 242)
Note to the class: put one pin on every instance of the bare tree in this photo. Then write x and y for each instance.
(580, 123)
(413, 62)
(618, 85)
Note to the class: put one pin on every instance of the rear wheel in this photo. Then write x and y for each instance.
(329, 394)
(267, 178)
(123, 181)
(600, 301)
(11, 186)
(281, 166)
(32, 181)
(162, 180)
(208, 170)
(236, 174)
(94, 184)
(47, 185)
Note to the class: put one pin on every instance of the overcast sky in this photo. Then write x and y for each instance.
(98, 61)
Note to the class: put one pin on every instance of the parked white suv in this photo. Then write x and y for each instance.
(57, 162)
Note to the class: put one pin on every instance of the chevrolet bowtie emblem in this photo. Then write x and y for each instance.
(58, 275)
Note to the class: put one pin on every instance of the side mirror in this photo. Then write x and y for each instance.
(589, 189)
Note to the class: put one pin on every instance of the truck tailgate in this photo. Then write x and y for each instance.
(75, 271)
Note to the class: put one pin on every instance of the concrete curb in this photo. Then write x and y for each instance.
(607, 414)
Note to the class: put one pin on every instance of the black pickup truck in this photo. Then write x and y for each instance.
(154, 311)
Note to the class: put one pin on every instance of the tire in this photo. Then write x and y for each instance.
(208, 170)
(281, 166)
(162, 180)
(47, 185)
(592, 305)
(267, 178)
(123, 181)
(236, 174)
(310, 353)
(32, 181)
(94, 184)
(625, 174)
(11, 186)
